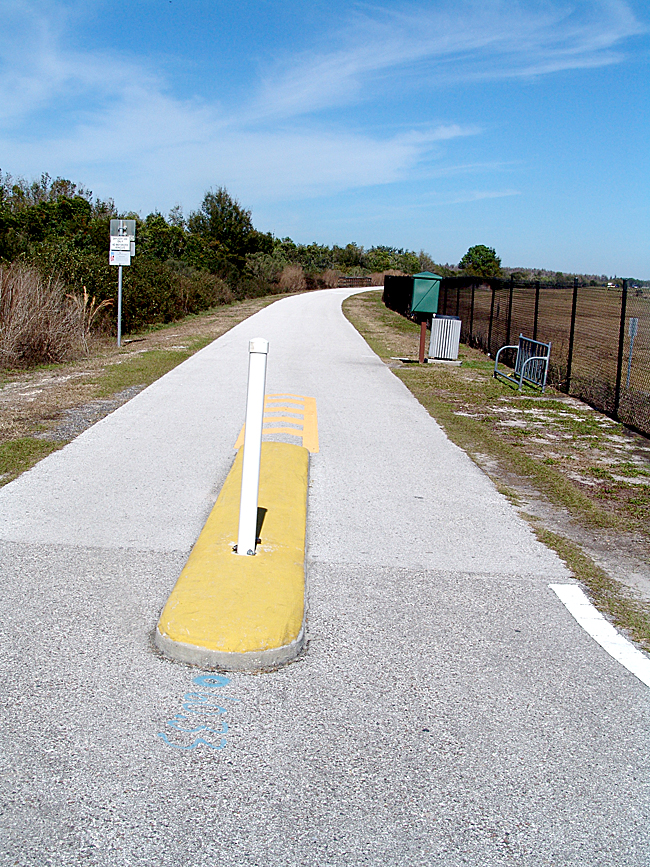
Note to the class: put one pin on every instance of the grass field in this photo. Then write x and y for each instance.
(579, 477)
(595, 346)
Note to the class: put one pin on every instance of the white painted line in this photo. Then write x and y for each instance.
(593, 622)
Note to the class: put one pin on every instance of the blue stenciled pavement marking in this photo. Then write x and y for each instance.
(200, 703)
(212, 680)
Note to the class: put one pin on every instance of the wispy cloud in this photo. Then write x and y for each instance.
(463, 41)
(35, 71)
(479, 195)
(115, 124)
(152, 139)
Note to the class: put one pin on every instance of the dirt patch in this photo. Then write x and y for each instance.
(572, 471)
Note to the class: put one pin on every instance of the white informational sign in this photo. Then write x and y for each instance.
(121, 249)
(122, 243)
(123, 227)
(119, 257)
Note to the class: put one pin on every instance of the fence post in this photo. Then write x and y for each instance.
(489, 346)
(446, 299)
(509, 310)
(536, 314)
(574, 307)
(457, 299)
(471, 317)
(423, 340)
(250, 477)
(621, 343)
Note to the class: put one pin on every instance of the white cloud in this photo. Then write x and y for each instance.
(113, 124)
(159, 144)
(479, 195)
(469, 40)
(34, 69)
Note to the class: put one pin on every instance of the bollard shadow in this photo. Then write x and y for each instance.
(261, 514)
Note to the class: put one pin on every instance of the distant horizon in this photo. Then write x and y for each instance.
(426, 126)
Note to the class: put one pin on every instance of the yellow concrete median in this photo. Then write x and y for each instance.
(245, 612)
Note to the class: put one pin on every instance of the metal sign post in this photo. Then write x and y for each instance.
(119, 306)
(121, 249)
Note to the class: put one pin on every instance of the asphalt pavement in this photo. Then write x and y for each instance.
(447, 709)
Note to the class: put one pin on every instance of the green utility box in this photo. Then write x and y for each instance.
(426, 288)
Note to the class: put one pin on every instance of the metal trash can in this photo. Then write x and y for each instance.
(445, 338)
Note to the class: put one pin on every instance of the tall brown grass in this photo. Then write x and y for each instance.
(292, 278)
(39, 322)
(330, 277)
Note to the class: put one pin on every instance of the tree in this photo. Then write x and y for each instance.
(481, 261)
(426, 263)
(378, 259)
(348, 257)
(407, 262)
(226, 231)
(159, 239)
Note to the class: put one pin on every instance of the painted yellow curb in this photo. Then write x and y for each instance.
(245, 612)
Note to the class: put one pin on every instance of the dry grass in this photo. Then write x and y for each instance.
(292, 279)
(87, 313)
(330, 277)
(39, 322)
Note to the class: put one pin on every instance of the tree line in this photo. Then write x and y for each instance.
(183, 264)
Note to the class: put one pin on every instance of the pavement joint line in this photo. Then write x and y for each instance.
(595, 625)
(245, 613)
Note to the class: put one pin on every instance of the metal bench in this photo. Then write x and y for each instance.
(531, 363)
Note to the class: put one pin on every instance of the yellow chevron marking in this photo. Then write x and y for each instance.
(303, 418)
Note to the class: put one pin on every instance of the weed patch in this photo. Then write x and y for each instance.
(142, 369)
(21, 454)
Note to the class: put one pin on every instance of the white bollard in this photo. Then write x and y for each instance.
(250, 479)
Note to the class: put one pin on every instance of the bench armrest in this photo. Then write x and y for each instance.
(496, 359)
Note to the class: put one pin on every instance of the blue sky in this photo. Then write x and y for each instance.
(426, 125)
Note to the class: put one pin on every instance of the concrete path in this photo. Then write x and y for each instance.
(448, 709)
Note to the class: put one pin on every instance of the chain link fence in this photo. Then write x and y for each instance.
(600, 336)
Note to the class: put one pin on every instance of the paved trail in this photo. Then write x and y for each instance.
(448, 709)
